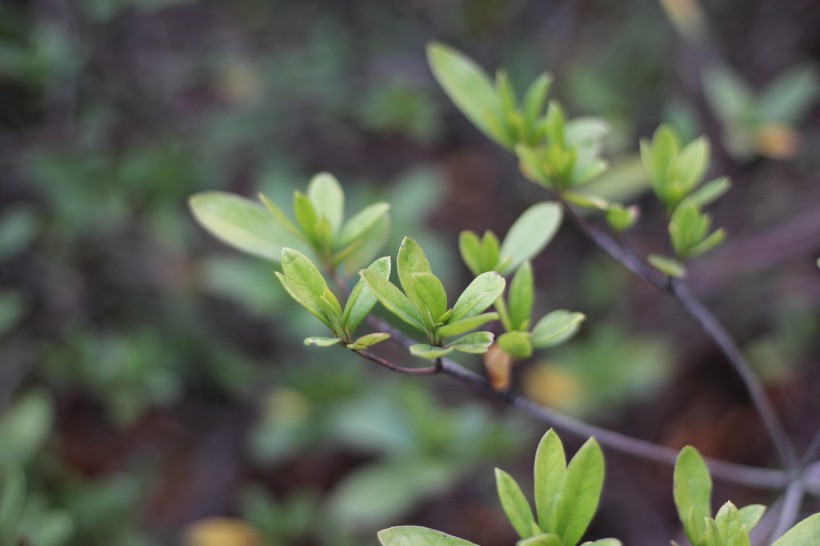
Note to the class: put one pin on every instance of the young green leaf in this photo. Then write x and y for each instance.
(621, 218)
(550, 472)
(489, 251)
(322, 341)
(280, 217)
(688, 168)
(515, 504)
(469, 246)
(368, 340)
(710, 192)
(692, 492)
(306, 216)
(528, 235)
(521, 296)
(786, 99)
(475, 343)
(468, 87)
(303, 281)
(667, 266)
(362, 299)
(465, 325)
(730, 526)
(431, 293)
(516, 344)
(556, 328)
(803, 534)
(750, 515)
(429, 352)
(478, 296)
(393, 299)
(238, 222)
(361, 222)
(418, 536)
(411, 259)
(536, 98)
(580, 493)
(328, 199)
(333, 311)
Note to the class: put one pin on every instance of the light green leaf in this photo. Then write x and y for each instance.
(306, 216)
(515, 504)
(468, 87)
(536, 98)
(478, 296)
(25, 427)
(516, 344)
(238, 222)
(431, 293)
(687, 227)
(789, 96)
(549, 472)
(581, 491)
(429, 352)
(585, 129)
(730, 98)
(368, 340)
(475, 343)
(322, 341)
(328, 199)
(693, 492)
(603, 542)
(362, 300)
(489, 251)
(362, 221)
(730, 526)
(586, 201)
(710, 192)
(521, 297)
(621, 218)
(546, 539)
(393, 299)
(303, 281)
(750, 515)
(667, 266)
(465, 325)
(805, 533)
(12, 503)
(688, 168)
(528, 236)
(280, 217)
(556, 328)
(418, 536)
(411, 259)
(533, 165)
(469, 246)
(707, 244)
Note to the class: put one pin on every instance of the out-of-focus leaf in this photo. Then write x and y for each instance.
(361, 222)
(25, 427)
(804, 533)
(528, 236)
(516, 344)
(429, 352)
(789, 95)
(555, 328)
(328, 199)
(667, 266)
(418, 536)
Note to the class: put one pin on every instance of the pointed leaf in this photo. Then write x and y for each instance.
(710, 192)
(579, 496)
(362, 299)
(514, 503)
(475, 343)
(528, 236)
(362, 221)
(429, 352)
(468, 87)
(322, 341)
(280, 217)
(516, 344)
(730, 526)
(478, 296)
(750, 515)
(431, 293)
(556, 328)
(521, 296)
(306, 216)
(788, 97)
(418, 536)
(803, 534)
(238, 222)
(550, 472)
(393, 300)
(469, 246)
(368, 340)
(667, 266)
(328, 199)
(465, 325)
(411, 259)
(536, 98)
(693, 492)
(489, 251)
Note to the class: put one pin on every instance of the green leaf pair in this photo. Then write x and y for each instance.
(693, 493)
(319, 224)
(494, 109)
(527, 237)
(423, 304)
(553, 329)
(303, 281)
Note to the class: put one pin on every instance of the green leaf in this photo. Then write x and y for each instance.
(469, 246)
(581, 491)
(805, 533)
(505, 92)
(521, 296)
(667, 266)
(25, 427)
(303, 281)
(713, 240)
(533, 165)
(478, 296)
(322, 341)
(238, 222)
(429, 352)
(515, 504)
(586, 201)
(687, 227)
(730, 526)
(693, 492)
(710, 192)
(546, 539)
(556, 328)
(550, 472)
(536, 98)
(361, 222)
(368, 340)
(516, 344)
(528, 236)
(468, 87)
(585, 129)
(750, 515)
(489, 252)
(393, 299)
(621, 218)
(688, 168)
(280, 217)
(475, 343)
(12, 504)
(789, 96)
(411, 259)
(306, 216)
(603, 542)
(465, 325)
(431, 293)
(418, 536)
(362, 299)
(328, 199)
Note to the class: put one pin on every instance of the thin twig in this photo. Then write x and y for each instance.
(711, 326)
(429, 370)
(790, 510)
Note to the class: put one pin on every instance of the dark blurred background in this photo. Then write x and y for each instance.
(153, 383)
